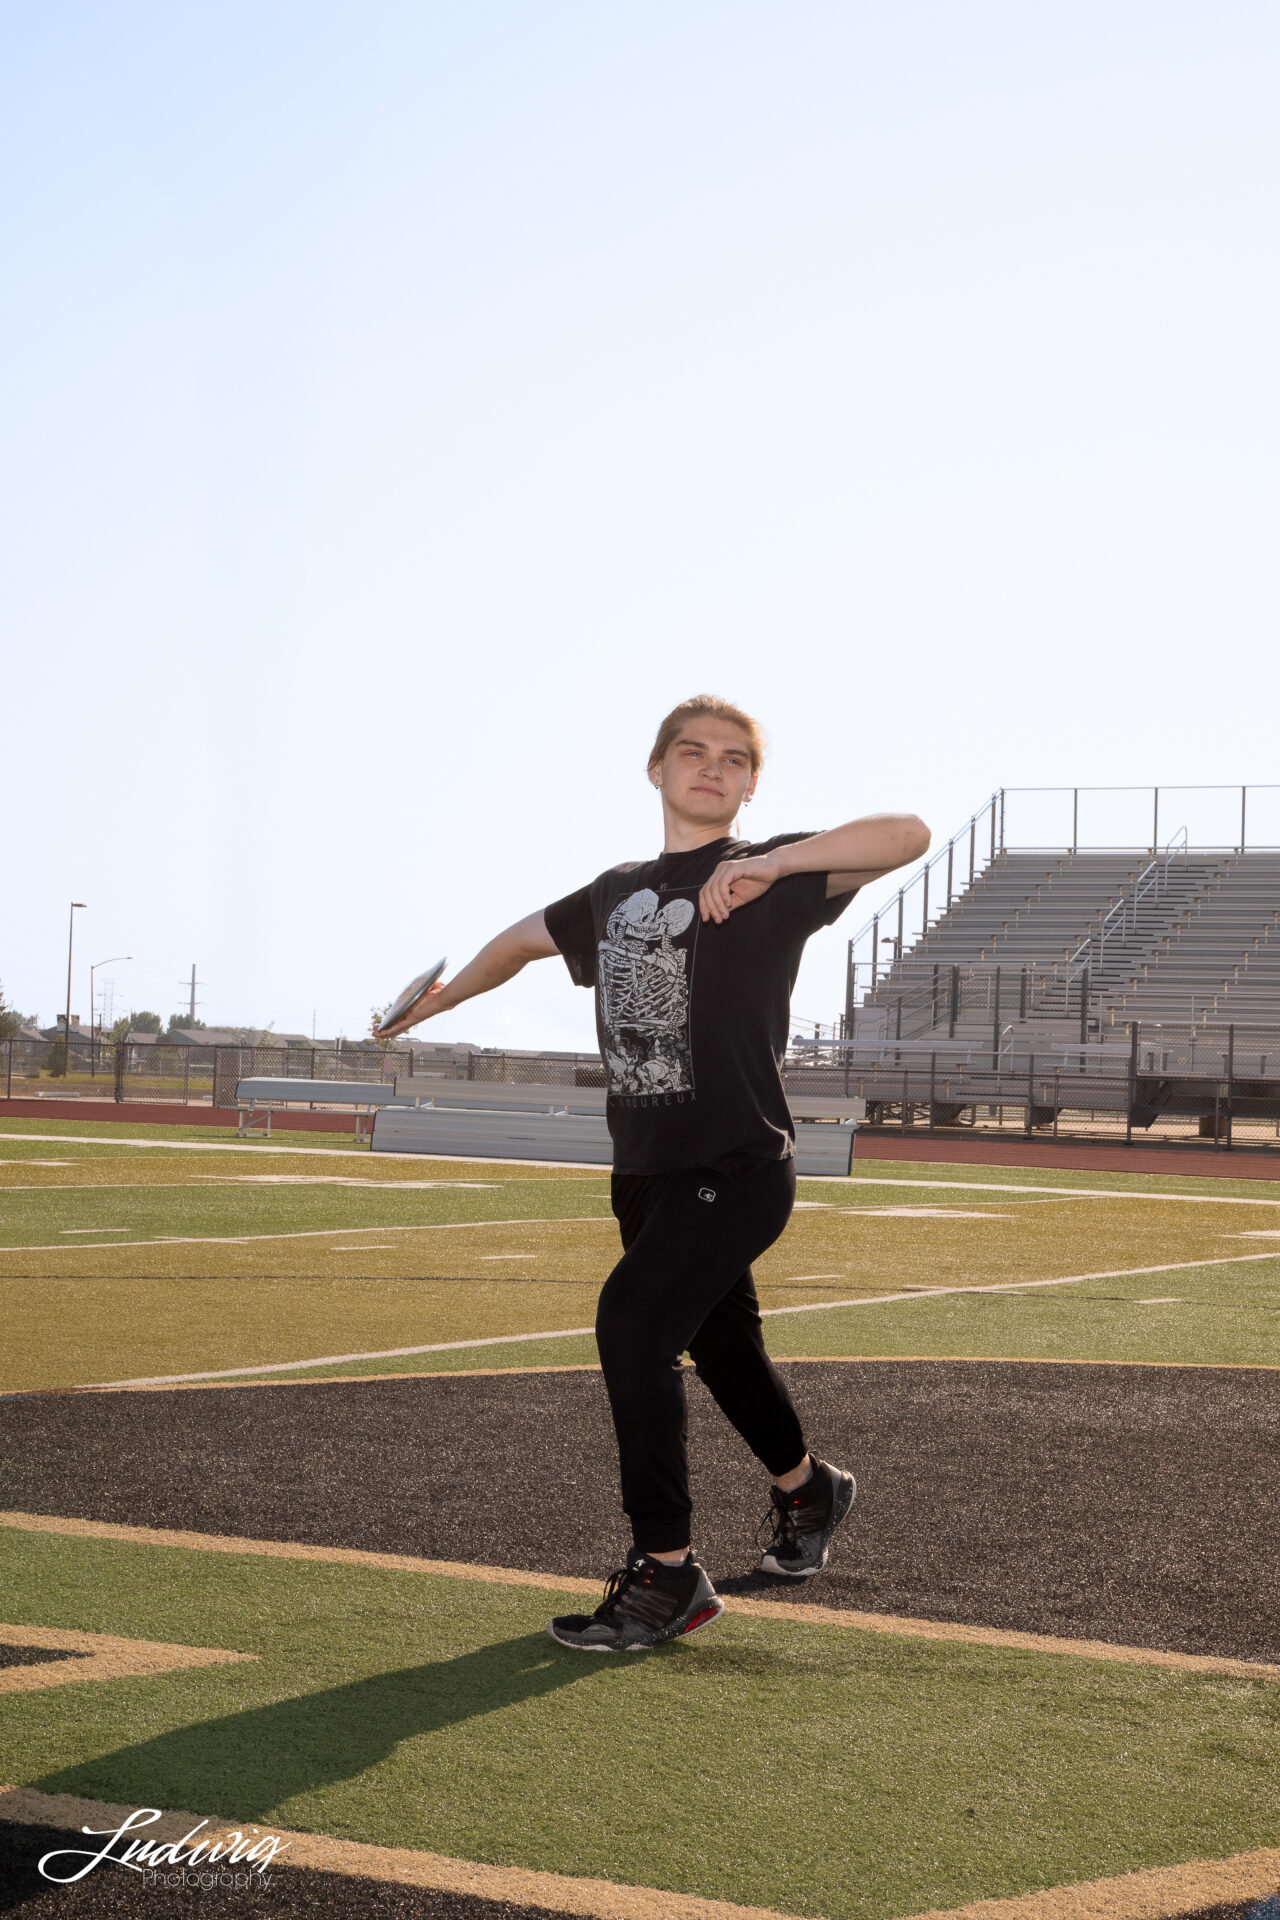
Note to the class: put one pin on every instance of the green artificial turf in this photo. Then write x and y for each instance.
(1221, 1316)
(269, 1273)
(49, 1217)
(817, 1769)
(572, 1350)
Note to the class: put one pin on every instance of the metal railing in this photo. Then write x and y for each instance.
(1217, 826)
(976, 842)
(1122, 919)
(1154, 1084)
(922, 998)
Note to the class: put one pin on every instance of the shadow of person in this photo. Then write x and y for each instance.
(247, 1764)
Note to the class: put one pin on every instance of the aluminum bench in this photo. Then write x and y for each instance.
(542, 1096)
(258, 1099)
(523, 1133)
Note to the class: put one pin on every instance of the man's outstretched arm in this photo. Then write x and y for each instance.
(850, 856)
(495, 963)
(860, 851)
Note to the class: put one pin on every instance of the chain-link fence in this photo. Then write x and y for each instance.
(1216, 1085)
(1219, 1085)
(136, 1071)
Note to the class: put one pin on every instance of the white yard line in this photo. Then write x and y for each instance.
(1060, 1193)
(342, 1359)
(571, 1333)
(1020, 1286)
(918, 1213)
(236, 1180)
(309, 1233)
(262, 1146)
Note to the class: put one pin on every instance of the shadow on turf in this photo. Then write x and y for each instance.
(247, 1765)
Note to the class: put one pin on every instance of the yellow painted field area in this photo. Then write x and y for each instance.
(118, 1265)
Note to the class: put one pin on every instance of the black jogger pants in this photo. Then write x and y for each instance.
(682, 1285)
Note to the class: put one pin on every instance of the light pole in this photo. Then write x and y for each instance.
(93, 1031)
(66, 1032)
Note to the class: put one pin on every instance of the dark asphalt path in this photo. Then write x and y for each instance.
(1131, 1504)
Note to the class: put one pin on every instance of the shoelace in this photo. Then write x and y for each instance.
(777, 1530)
(615, 1591)
(780, 1524)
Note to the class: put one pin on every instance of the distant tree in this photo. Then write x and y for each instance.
(146, 1022)
(181, 1021)
(251, 1036)
(120, 1030)
(10, 1018)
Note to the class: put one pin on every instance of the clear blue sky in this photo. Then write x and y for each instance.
(404, 404)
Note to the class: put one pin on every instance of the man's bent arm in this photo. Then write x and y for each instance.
(859, 851)
(500, 960)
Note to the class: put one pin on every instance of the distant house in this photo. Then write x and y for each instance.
(55, 1031)
(233, 1037)
(81, 1041)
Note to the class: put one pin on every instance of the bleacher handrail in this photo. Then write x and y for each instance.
(1153, 879)
(1235, 843)
(897, 901)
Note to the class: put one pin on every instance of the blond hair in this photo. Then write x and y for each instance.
(708, 706)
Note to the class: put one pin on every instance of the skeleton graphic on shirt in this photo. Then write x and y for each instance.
(644, 996)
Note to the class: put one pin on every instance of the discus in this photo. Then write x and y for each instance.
(414, 991)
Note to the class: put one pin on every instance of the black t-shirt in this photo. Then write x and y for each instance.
(692, 1017)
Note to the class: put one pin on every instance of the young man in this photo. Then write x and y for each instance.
(693, 957)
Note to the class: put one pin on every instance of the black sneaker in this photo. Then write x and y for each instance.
(645, 1603)
(804, 1521)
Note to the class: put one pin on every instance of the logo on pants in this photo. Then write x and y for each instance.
(706, 1193)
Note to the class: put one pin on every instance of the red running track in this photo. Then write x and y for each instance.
(979, 1150)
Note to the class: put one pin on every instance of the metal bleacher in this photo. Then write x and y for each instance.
(1137, 982)
(1185, 938)
(1220, 961)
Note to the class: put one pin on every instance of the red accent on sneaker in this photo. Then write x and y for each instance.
(700, 1619)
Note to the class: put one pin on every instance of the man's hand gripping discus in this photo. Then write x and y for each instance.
(410, 1006)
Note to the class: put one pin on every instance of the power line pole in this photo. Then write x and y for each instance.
(193, 983)
(66, 1031)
